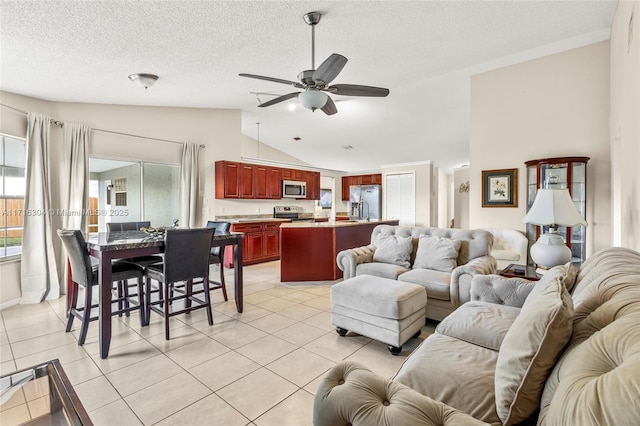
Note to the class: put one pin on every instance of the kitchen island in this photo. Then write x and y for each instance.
(308, 250)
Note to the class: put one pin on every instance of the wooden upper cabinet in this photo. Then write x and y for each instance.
(227, 179)
(348, 181)
(313, 185)
(254, 181)
(245, 181)
(293, 174)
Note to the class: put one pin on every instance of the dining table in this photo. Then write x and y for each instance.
(108, 246)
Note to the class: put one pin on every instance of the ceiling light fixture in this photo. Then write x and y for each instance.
(312, 99)
(144, 80)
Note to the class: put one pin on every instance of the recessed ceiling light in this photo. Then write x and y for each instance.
(347, 146)
(297, 138)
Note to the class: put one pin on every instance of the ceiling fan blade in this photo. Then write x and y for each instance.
(275, 80)
(330, 68)
(357, 90)
(329, 108)
(278, 99)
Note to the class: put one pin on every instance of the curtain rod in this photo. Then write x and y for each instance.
(51, 120)
(61, 124)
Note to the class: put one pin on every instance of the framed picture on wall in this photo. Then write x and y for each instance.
(325, 198)
(500, 188)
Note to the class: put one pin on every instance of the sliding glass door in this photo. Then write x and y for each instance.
(127, 191)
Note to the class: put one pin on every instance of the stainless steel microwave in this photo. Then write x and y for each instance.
(294, 189)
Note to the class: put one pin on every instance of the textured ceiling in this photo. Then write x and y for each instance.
(423, 51)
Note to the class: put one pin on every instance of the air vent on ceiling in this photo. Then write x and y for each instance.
(347, 146)
(297, 138)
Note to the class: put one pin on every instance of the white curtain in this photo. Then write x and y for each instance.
(76, 171)
(39, 275)
(189, 172)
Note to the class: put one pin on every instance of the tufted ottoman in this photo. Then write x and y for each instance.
(386, 310)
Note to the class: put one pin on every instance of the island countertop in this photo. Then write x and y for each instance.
(338, 223)
(308, 250)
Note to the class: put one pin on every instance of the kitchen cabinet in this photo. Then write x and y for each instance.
(261, 242)
(267, 182)
(292, 174)
(561, 172)
(254, 181)
(313, 185)
(227, 173)
(348, 181)
(245, 181)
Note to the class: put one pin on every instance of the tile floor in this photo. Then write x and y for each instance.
(261, 367)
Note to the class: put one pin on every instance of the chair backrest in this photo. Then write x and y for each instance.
(220, 228)
(76, 249)
(186, 253)
(127, 226)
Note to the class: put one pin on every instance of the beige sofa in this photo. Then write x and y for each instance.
(509, 246)
(442, 260)
(520, 352)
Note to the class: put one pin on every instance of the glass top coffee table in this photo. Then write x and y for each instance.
(40, 395)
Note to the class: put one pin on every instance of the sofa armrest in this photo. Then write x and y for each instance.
(501, 290)
(347, 260)
(461, 276)
(350, 394)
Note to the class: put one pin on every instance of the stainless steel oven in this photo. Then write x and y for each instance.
(291, 212)
(294, 189)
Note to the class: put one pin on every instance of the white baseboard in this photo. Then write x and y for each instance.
(9, 304)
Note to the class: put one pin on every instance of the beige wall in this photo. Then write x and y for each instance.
(461, 199)
(625, 125)
(554, 106)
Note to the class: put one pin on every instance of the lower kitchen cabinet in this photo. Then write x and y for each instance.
(261, 243)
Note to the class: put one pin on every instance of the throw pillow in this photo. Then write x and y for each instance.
(532, 346)
(439, 254)
(393, 249)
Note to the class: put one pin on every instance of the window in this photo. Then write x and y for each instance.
(12, 190)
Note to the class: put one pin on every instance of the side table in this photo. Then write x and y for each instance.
(520, 271)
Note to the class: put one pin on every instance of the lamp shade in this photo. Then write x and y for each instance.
(554, 207)
(312, 99)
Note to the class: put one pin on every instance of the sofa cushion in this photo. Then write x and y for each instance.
(393, 249)
(455, 372)
(437, 283)
(532, 346)
(505, 254)
(481, 323)
(384, 270)
(437, 253)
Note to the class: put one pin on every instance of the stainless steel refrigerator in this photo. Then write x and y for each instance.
(365, 202)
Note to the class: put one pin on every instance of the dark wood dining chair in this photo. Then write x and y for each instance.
(217, 256)
(85, 274)
(186, 258)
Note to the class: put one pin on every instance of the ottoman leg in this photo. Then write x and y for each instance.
(394, 349)
(341, 331)
(415, 336)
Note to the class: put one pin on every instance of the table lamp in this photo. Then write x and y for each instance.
(552, 207)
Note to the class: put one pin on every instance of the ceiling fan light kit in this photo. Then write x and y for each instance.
(144, 80)
(313, 99)
(315, 82)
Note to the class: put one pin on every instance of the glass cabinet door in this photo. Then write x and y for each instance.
(565, 172)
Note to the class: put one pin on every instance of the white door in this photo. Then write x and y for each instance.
(400, 198)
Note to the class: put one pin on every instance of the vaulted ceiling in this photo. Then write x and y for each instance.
(423, 51)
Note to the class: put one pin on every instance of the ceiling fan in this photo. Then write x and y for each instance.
(315, 82)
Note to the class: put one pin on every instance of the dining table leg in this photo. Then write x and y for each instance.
(237, 274)
(104, 303)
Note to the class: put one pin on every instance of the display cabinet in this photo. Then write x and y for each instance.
(561, 172)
